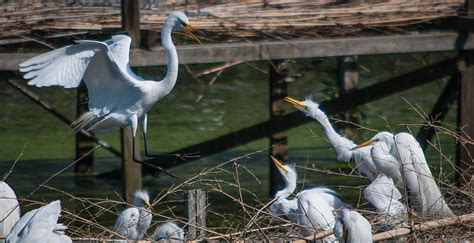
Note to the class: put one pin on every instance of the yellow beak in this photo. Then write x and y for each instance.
(279, 164)
(364, 144)
(295, 103)
(189, 30)
(148, 204)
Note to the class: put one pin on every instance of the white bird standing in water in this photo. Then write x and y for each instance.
(40, 225)
(117, 96)
(9, 209)
(381, 193)
(133, 222)
(312, 208)
(401, 158)
(351, 227)
(169, 231)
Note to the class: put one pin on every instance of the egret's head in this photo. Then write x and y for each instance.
(178, 18)
(309, 107)
(142, 199)
(381, 137)
(287, 171)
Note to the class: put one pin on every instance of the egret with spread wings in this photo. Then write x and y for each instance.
(117, 96)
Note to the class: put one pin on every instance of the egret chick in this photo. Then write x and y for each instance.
(9, 209)
(117, 96)
(40, 225)
(401, 158)
(133, 222)
(351, 227)
(312, 208)
(169, 231)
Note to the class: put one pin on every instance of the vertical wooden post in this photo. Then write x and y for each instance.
(466, 119)
(466, 111)
(195, 213)
(131, 20)
(347, 78)
(132, 172)
(278, 140)
(84, 144)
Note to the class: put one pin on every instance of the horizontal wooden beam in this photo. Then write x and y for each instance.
(268, 50)
(343, 103)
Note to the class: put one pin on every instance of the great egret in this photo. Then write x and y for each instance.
(351, 227)
(117, 96)
(401, 158)
(381, 193)
(9, 209)
(133, 222)
(169, 231)
(385, 197)
(40, 225)
(312, 208)
(342, 145)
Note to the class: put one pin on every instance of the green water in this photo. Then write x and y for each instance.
(238, 98)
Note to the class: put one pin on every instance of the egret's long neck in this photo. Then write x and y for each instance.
(341, 144)
(285, 205)
(290, 186)
(172, 68)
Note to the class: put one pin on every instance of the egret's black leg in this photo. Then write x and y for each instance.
(179, 156)
(134, 157)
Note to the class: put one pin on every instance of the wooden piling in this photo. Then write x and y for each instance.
(278, 140)
(131, 20)
(347, 79)
(466, 110)
(466, 119)
(84, 144)
(131, 171)
(195, 213)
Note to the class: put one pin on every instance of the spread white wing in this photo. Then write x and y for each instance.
(104, 66)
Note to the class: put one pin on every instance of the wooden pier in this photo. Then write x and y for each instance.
(452, 32)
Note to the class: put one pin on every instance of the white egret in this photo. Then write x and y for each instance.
(9, 209)
(342, 145)
(133, 222)
(40, 225)
(117, 96)
(169, 231)
(401, 158)
(385, 197)
(351, 227)
(381, 193)
(312, 208)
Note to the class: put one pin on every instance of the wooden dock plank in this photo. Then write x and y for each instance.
(254, 51)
